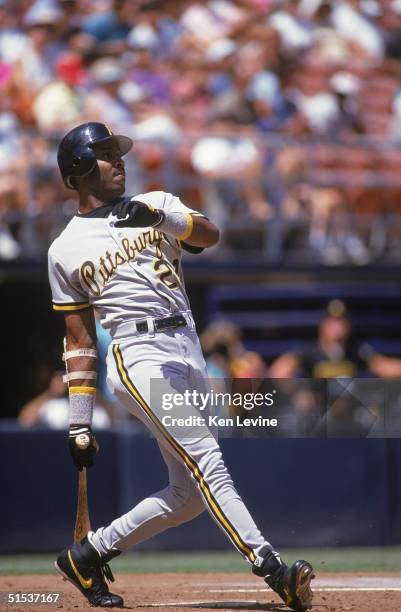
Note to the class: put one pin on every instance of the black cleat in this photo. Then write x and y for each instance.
(293, 585)
(82, 565)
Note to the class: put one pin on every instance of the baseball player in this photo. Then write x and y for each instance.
(121, 257)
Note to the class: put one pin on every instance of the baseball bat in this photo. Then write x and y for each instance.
(82, 521)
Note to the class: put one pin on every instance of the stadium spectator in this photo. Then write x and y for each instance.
(332, 356)
(110, 28)
(34, 66)
(346, 87)
(347, 19)
(221, 342)
(214, 92)
(390, 23)
(295, 32)
(58, 105)
(103, 103)
(43, 219)
(227, 359)
(226, 356)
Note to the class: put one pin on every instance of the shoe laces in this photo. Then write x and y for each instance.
(106, 572)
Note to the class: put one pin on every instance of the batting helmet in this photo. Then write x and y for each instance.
(75, 155)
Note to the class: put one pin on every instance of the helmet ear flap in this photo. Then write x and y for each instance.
(83, 161)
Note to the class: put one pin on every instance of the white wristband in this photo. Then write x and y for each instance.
(82, 400)
(177, 224)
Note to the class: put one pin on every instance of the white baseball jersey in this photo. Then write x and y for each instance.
(125, 273)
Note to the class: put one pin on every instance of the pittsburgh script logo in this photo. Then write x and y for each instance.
(96, 278)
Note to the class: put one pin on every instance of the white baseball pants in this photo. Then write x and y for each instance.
(198, 477)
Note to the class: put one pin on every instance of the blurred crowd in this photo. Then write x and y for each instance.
(330, 387)
(281, 117)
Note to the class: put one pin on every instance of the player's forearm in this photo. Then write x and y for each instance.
(80, 354)
(194, 230)
(81, 374)
(80, 357)
(204, 233)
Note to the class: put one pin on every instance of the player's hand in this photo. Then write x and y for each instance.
(137, 214)
(83, 446)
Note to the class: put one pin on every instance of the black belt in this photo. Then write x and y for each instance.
(161, 324)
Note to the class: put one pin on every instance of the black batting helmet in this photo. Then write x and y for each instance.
(75, 155)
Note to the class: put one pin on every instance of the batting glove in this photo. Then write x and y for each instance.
(83, 446)
(137, 214)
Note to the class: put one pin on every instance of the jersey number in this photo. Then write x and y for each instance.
(165, 270)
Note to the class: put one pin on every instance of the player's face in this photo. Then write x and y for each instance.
(109, 181)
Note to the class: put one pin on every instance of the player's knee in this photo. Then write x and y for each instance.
(194, 505)
(188, 509)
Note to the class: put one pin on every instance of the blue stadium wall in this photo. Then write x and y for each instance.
(300, 492)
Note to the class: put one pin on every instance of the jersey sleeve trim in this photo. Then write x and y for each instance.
(186, 234)
(68, 306)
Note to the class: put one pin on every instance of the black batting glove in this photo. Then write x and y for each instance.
(137, 214)
(83, 446)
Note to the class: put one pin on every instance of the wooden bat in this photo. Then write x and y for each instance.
(82, 521)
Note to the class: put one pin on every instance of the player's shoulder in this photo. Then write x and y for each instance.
(64, 239)
(56, 249)
(157, 199)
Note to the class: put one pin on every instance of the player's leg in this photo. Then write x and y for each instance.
(85, 563)
(178, 503)
(133, 366)
(291, 583)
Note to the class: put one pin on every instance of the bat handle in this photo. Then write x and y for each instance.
(82, 483)
(82, 523)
